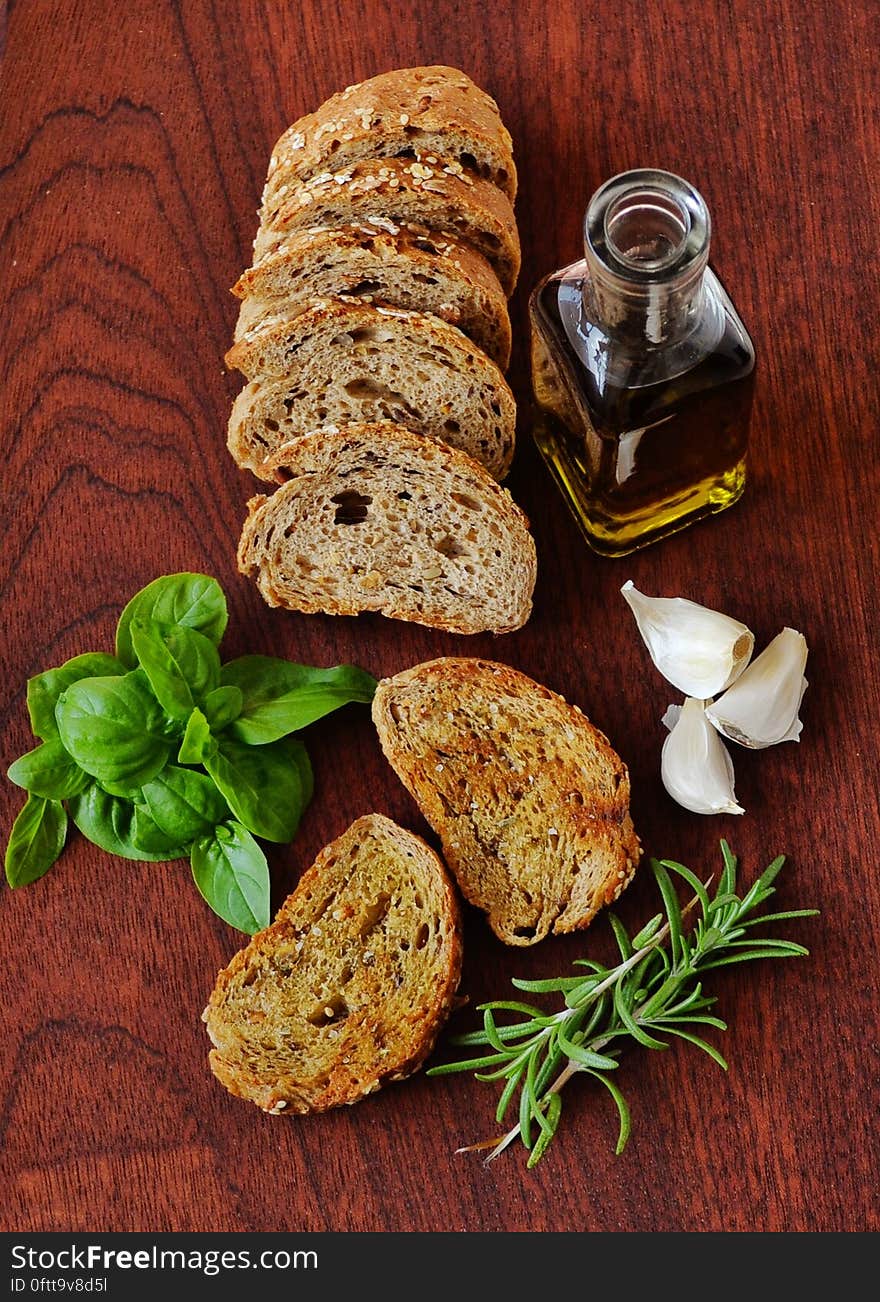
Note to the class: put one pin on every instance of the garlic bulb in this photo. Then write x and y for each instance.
(695, 767)
(699, 651)
(761, 708)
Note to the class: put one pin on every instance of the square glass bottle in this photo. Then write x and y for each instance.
(641, 368)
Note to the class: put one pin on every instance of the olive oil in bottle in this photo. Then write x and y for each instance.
(641, 368)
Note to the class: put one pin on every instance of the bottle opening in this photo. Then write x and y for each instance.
(646, 229)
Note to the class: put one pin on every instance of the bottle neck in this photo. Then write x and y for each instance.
(647, 247)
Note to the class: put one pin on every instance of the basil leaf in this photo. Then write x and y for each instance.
(43, 690)
(280, 697)
(232, 875)
(197, 740)
(183, 804)
(119, 826)
(266, 787)
(48, 771)
(147, 837)
(300, 758)
(36, 840)
(114, 729)
(222, 706)
(193, 600)
(182, 666)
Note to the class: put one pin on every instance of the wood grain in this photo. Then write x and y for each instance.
(133, 146)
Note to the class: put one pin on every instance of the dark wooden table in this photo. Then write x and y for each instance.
(133, 146)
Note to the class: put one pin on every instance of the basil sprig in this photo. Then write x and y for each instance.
(161, 752)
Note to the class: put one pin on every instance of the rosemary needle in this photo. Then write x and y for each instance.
(654, 991)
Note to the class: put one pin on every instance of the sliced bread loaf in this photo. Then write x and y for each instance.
(341, 362)
(378, 518)
(408, 267)
(409, 110)
(350, 985)
(438, 195)
(529, 799)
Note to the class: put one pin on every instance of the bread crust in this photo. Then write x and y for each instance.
(366, 1050)
(358, 457)
(440, 195)
(406, 267)
(530, 800)
(405, 109)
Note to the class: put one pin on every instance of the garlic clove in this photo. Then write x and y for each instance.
(699, 651)
(794, 732)
(694, 765)
(761, 708)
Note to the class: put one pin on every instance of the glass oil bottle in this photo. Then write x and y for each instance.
(642, 370)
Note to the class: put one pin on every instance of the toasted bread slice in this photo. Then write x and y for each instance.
(406, 111)
(411, 268)
(376, 518)
(341, 362)
(529, 799)
(438, 195)
(350, 985)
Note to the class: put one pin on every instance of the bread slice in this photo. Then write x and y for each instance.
(440, 195)
(529, 799)
(408, 267)
(378, 518)
(341, 362)
(409, 110)
(350, 985)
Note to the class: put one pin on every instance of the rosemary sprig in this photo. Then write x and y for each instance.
(653, 991)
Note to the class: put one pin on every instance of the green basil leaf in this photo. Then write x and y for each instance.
(193, 600)
(280, 697)
(197, 740)
(125, 790)
(48, 771)
(114, 729)
(232, 875)
(183, 804)
(36, 840)
(183, 666)
(43, 690)
(147, 837)
(119, 826)
(266, 787)
(222, 706)
(300, 758)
